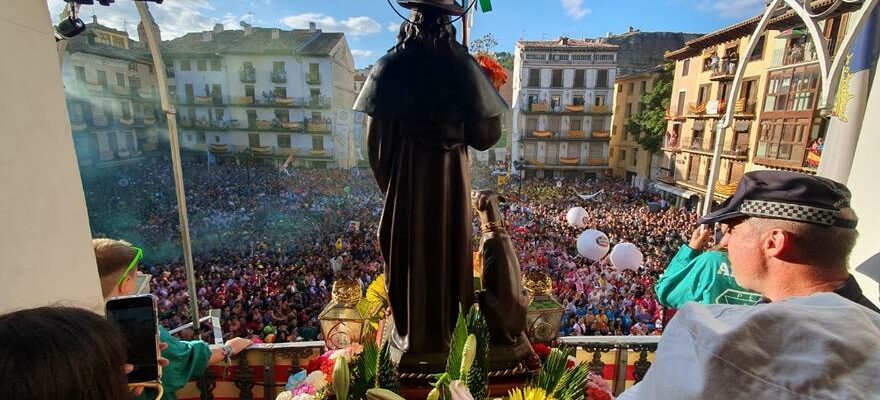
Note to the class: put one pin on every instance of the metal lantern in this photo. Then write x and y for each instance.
(341, 323)
(544, 313)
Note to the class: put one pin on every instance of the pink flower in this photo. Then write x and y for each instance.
(305, 388)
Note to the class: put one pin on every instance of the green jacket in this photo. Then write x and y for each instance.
(186, 361)
(702, 277)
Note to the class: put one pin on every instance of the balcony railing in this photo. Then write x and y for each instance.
(126, 120)
(794, 54)
(597, 161)
(601, 134)
(667, 175)
(600, 110)
(121, 90)
(544, 107)
(247, 75)
(724, 72)
(100, 121)
(317, 126)
(261, 371)
(313, 78)
(278, 76)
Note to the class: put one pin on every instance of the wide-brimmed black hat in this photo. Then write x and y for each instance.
(786, 195)
(451, 7)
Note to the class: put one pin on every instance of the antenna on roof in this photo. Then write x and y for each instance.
(124, 25)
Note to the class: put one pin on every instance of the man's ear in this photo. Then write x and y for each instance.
(777, 243)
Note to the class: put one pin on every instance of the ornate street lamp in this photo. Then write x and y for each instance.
(341, 323)
(544, 314)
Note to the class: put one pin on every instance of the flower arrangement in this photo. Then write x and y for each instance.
(493, 69)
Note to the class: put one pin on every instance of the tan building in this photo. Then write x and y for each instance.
(627, 158)
(775, 119)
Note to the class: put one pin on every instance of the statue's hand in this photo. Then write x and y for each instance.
(486, 200)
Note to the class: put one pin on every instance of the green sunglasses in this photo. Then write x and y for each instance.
(137, 257)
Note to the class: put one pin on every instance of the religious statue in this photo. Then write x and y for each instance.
(427, 100)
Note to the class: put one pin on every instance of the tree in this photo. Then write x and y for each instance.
(483, 44)
(505, 59)
(649, 125)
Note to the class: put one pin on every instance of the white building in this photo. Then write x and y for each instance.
(267, 93)
(112, 98)
(562, 91)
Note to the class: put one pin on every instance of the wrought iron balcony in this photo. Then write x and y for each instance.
(313, 78)
(278, 76)
(247, 75)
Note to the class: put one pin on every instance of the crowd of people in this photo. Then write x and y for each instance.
(268, 245)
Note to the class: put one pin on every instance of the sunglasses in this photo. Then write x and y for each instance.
(134, 262)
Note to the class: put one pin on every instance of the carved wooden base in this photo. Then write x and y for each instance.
(414, 386)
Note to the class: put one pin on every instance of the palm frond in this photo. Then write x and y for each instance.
(459, 337)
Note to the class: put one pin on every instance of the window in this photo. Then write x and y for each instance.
(200, 137)
(252, 119)
(577, 99)
(151, 68)
(190, 95)
(575, 124)
(254, 139)
(599, 100)
(555, 101)
(125, 105)
(641, 107)
(202, 65)
(134, 82)
(314, 93)
(534, 77)
(703, 94)
(215, 65)
(249, 91)
(102, 78)
(629, 109)
(282, 115)
(602, 78)
(284, 141)
(554, 123)
(556, 80)
(278, 66)
(185, 65)
(679, 107)
(169, 69)
(280, 91)
(598, 124)
(132, 66)
(80, 73)
(723, 89)
(172, 92)
(622, 154)
(644, 86)
(579, 80)
(216, 138)
(219, 114)
(685, 66)
(217, 92)
(620, 88)
(120, 79)
(317, 142)
(531, 124)
(793, 89)
(759, 49)
(635, 158)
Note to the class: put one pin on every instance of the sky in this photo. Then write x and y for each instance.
(370, 26)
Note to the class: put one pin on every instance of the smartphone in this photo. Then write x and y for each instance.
(137, 317)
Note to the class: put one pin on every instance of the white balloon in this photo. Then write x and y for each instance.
(575, 217)
(592, 244)
(626, 256)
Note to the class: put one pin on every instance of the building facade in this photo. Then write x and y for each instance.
(776, 123)
(112, 97)
(265, 94)
(628, 159)
(562, 91)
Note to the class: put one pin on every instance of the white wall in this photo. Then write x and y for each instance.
(865, 191)
(45, 245)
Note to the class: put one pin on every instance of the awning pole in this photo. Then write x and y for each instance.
(170, 113)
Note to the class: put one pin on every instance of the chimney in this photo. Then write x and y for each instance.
(248, 29)
(206, 36)
(275, 33)
(313, 27)
(218, 27)
(94, 19)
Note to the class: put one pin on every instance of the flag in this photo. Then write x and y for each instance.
(842, 136)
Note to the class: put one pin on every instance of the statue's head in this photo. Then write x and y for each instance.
(429, 26)
(448, 7)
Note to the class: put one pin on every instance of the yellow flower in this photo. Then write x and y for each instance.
(529, 393)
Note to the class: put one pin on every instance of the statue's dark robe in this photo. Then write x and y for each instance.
(425, 109)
